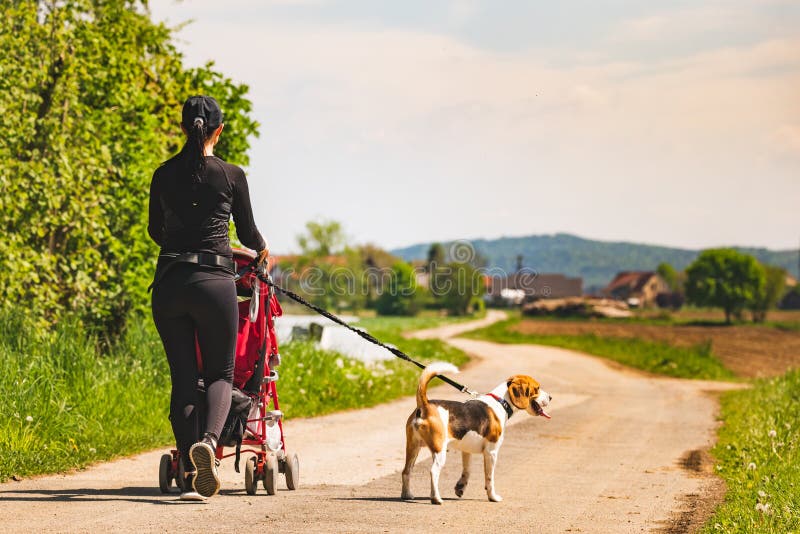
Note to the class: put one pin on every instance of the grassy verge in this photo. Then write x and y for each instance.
(656, 357)
(65, 403)
(758, 455)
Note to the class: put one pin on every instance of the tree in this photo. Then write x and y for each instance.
(401, 295)
(436, 256)
(769, 294)
(456, 286)
(91, 93)
(322, 238)
(726, 279)
(670, 276)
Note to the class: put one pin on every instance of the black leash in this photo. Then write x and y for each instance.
(365, 335)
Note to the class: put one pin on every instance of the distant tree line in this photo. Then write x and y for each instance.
(333, 274)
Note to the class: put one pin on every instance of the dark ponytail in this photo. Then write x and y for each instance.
(201, 116)
(194, 150)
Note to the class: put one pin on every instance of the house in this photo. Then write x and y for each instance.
(528, 285)
(637, 288)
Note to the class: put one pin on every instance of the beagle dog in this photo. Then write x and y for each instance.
(473, 427)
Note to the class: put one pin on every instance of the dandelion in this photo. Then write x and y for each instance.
(761, 494)
(772, 433)
(340, 363)
(751, 466)
(29, 418)
(763, 508)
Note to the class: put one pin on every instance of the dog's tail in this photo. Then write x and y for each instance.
(427, 375)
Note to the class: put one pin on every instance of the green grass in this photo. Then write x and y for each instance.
(65, 402)
(758, 455)
(662, 358)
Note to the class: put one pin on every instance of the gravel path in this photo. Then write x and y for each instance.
(622, 453)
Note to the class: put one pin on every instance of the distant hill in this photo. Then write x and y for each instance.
(595, 261)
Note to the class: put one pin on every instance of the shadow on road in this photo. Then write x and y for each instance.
(132, 494)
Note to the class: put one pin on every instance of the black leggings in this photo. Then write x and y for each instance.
(186, 301)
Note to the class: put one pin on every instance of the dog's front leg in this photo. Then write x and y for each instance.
(436, 468)
(489, 460)
(462, 482)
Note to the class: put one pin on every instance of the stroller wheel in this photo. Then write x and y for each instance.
(164, 478)
(250, 482)
(180, 478)
(292, 470)
(271, 474)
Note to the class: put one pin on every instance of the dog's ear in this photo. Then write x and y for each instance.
(516, 391)
(522, 389)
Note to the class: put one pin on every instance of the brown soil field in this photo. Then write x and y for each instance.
(708, 314)
(748, 351)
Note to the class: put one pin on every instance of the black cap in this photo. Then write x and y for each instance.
(204, 107)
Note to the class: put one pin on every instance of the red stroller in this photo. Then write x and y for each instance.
(255, 377)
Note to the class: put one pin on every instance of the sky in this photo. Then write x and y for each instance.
(673, 123)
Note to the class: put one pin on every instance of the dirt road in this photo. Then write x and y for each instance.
(612, 459)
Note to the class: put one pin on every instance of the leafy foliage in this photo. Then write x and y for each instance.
(91, 93)
(401, 295)
(724, 278)
(457, 287)
(769, 294)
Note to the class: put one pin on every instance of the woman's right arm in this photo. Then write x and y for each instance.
(155, 223)
(243, 216)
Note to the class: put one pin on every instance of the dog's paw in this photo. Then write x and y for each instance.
(494, 497)
(460, 489)
(407, 496)
(436, 500)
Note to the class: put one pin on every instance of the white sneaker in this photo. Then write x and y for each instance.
(192, 496)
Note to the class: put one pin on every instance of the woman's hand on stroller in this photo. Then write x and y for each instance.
(263, 256)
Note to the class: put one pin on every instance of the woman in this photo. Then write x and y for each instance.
(192, 197)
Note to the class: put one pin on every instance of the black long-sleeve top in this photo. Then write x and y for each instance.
(189, 217)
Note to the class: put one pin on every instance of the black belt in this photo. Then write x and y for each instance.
(198, 258)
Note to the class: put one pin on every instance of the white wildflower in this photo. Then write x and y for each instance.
(29, 418)
(761, 494)
(92, 450)
(340, 363)
(302, 391)
(751, 466)
(300, 364)
(351, 376)
(772, 433)
(763, 508)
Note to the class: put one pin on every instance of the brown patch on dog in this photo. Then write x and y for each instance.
(495, 428)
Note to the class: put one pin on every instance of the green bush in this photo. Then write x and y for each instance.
(402, 295)
(91, 96)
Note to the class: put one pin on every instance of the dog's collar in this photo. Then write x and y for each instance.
(504, 403)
